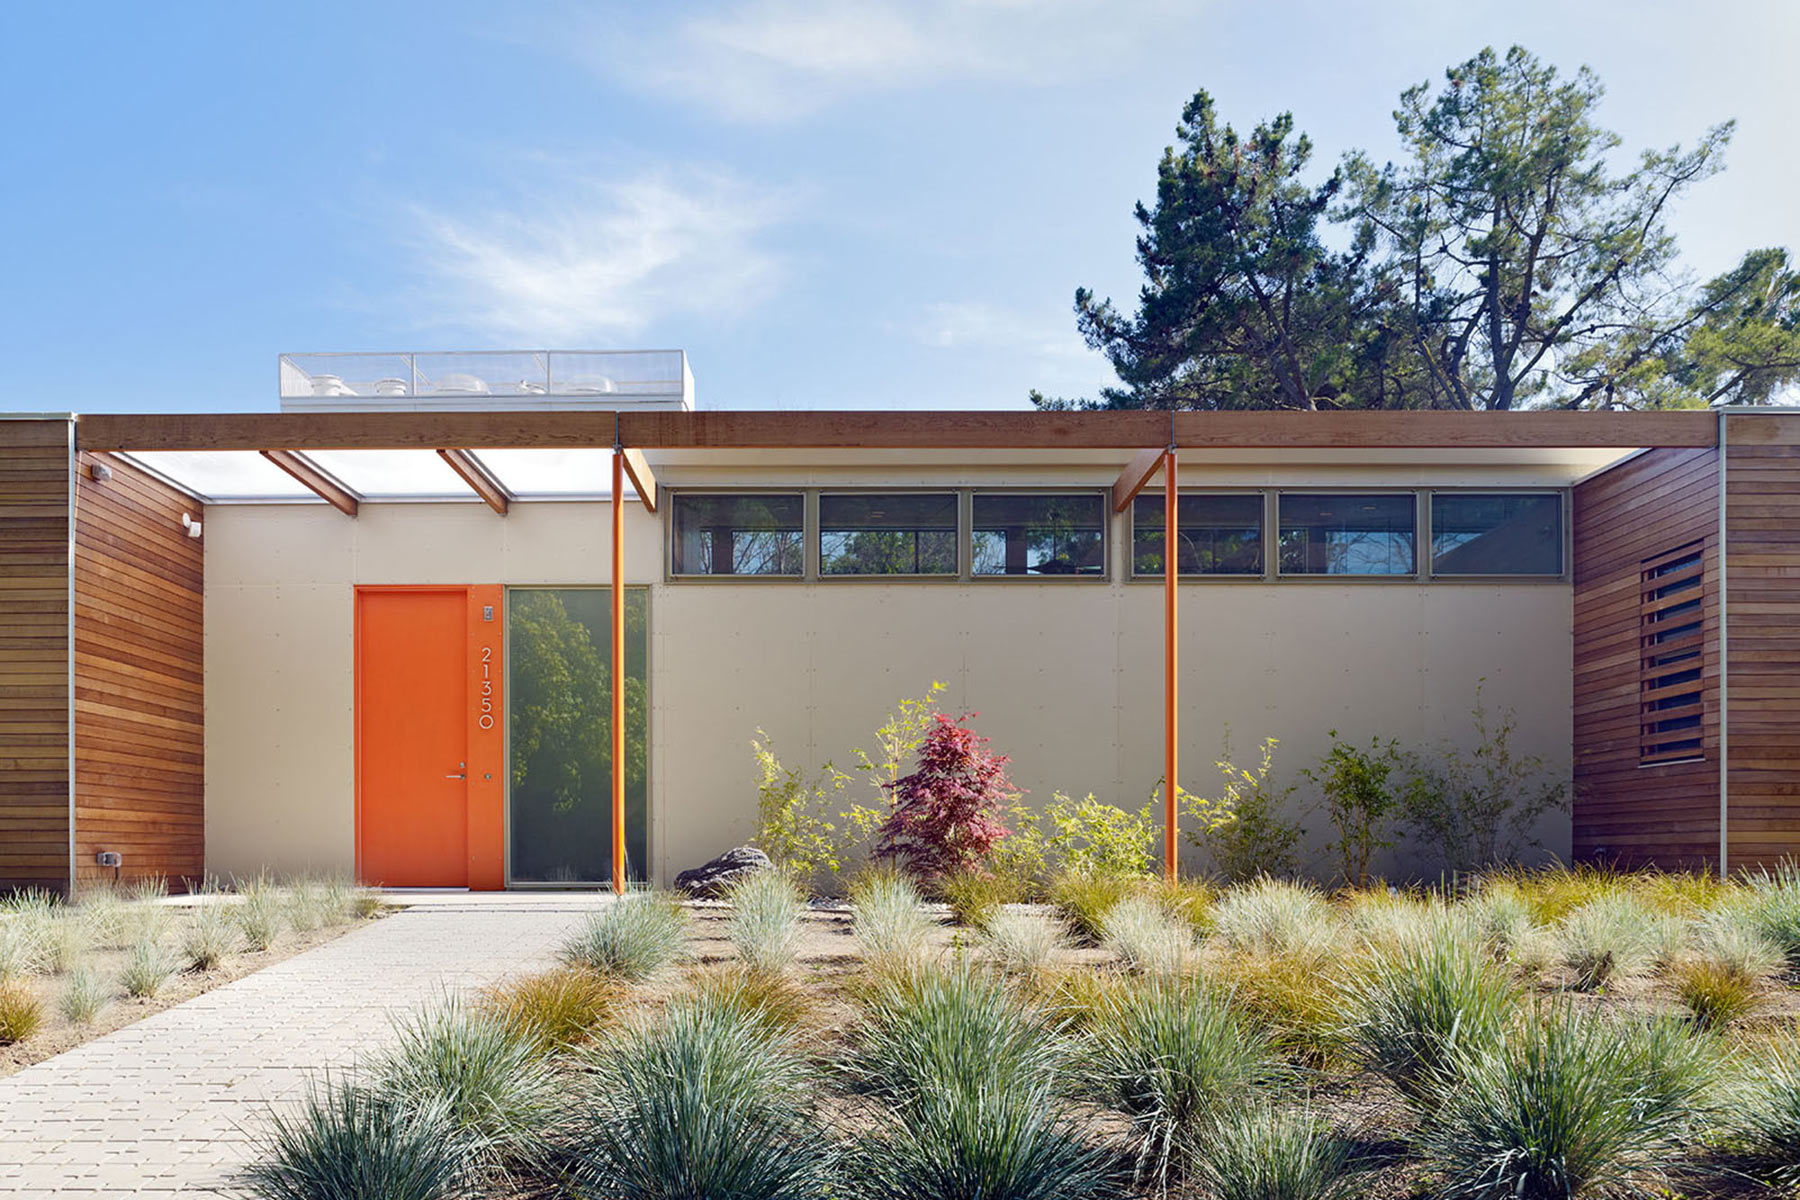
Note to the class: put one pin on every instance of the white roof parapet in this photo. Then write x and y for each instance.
(487, 380)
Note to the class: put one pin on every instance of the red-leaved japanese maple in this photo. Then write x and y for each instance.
(948, 814)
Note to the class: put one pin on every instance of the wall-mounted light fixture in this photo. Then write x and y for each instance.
(192, 526)
(99, 472)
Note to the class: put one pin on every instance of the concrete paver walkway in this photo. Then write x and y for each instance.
(164, 1107)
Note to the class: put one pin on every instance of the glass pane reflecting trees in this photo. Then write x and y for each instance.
(559, 713)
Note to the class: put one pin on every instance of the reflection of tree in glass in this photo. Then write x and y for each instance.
(888, 552)
(741, 535)
(1044, 535)
(1349, 536)
(560, 706)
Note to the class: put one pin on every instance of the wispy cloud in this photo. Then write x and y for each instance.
(1041, 344)
(766, 60)
(590, 258)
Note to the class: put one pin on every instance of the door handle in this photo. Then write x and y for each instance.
(456, 777)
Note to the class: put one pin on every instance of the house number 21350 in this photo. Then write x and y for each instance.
(485, 717)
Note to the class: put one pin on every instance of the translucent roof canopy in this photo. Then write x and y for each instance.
(391, 474)
(224, 474)
(247, 476)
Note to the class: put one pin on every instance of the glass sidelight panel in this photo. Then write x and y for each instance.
(559, 724)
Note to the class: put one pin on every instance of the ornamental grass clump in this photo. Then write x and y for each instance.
(1569, 1104)
(259, 913)
(773, 1001)
(1021, 942)
(211, 934)
(1415, 1010)
(975, 895)
(102, 910)
(555, 1009)
(706, 1102)
(346, 1142)
(1085, 899)
(21, 1011)
(970, 1090)
(1610, 939)
(1174, 1056)
(1773, 910)
(1721, 976)
(1762, 1117)
(1274, 916)
(892, 931)
(765, 920)
(148, 966)
(1145, 937)
(21, 953)
(84, 997)
(499, 1096)
(1499, 918)
(631, 938)
(1260, 1152)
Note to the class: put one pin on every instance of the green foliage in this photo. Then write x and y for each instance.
(498, 1093)
(148, 966)
(890, 929)
(1084, 900)
(1360, 797)
(1274, 916)
(631, 938)
(1092, 837)
(1260, 1152)
(1744, 347)
(1570, 1104)
(21, 1012)
(765, 920)
(793, 814)
(1145, 937)
(1478, 808)
(1245, 830)
(774, 1002)
(84, 997)
(975, 895)
(1612, 937)
(345, 1142)
(1714, 993)
(554, 1009)
(210, 935)
(1174, 1056)
(1416, 1010)
(258, 913)
(970, 1089)
(1773, 909)
(707, 1103)
(1021, 942)
(1763, 1113)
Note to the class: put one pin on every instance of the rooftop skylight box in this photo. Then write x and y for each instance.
(486, 379)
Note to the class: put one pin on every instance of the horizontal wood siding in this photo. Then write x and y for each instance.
(1762, 613)
(139, 721)
(34, 654)
(1625, 812)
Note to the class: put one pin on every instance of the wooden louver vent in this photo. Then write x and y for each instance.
(1671, 656)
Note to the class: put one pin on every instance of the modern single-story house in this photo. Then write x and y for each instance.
(378, 636)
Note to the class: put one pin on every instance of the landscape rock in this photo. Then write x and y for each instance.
(711, 881)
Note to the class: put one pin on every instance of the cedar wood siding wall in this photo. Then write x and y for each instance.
(1762, 615)
(139, 721)
(34, 654)
(1634, 815)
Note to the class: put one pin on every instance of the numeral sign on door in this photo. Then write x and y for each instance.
(485, 705)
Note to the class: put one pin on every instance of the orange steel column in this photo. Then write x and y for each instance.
(1171, 709)
(618, 669)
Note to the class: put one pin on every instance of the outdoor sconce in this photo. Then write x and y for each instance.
(192, 526)
(99, 472)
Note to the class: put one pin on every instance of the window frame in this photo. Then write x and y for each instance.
(1272, 535)
(816, 535)
(1102, 494)
(1565, 546)
(808, 519)
(1132, 574)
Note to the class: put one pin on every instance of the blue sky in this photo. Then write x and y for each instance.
(870, 204)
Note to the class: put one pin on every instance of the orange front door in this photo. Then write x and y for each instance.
(412, 737)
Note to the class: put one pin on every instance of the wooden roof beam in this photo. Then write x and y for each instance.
(1132, 479)
(316, 481)
(476, 476)
(911, 430)
(643, 480)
